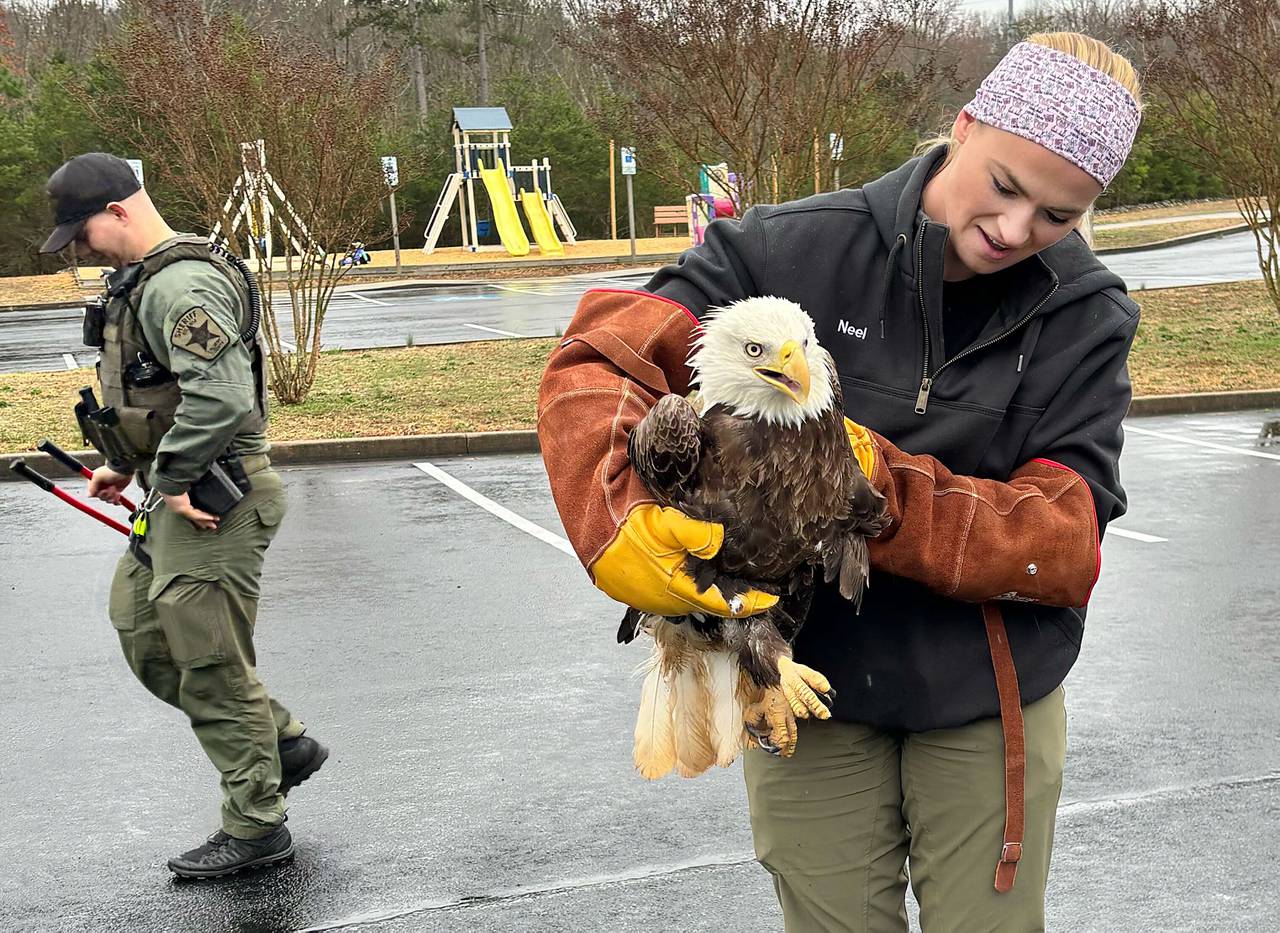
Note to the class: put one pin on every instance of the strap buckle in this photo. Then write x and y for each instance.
(1011, 853)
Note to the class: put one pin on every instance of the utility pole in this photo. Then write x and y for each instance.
(613, 198)
(1008, 29)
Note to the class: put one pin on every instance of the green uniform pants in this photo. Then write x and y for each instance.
(186, 626)
(836, 824)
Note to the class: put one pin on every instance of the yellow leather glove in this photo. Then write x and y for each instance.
(864, 449)
(644, 566)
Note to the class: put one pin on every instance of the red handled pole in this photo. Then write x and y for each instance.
(20, 467)
(75, 466)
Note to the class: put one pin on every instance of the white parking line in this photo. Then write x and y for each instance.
(372, 301)
(1198, 443)
(556, 541)
(70, 361)
(1135, 535)
(492, 330)
(504, 513)
(489, 900)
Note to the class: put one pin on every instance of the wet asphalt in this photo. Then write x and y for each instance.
(395, 317)
(51, 339)
(466, 677)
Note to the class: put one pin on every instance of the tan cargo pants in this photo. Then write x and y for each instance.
(837, 825)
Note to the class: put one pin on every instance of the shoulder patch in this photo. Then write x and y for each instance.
(198, 333)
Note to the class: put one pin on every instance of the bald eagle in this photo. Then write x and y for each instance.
(761, 448)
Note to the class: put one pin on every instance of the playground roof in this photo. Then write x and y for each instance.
(481, 119)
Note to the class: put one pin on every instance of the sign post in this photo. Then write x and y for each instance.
(613, 196)
(391, 171)
(628, 170)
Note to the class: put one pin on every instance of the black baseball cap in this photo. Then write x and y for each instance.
(83, 187)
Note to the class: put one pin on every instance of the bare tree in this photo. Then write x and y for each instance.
(45, 30)
(1216, 70)
(194, 88)
(763, 85)
(6, 42)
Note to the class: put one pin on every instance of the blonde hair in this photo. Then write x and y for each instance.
(1093, 52)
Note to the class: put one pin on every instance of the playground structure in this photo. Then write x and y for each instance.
(489, 160)
(254, 189)
(718, 198)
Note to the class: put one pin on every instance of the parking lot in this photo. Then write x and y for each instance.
(465, 674)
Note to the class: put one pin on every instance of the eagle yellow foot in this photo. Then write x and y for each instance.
(770, 724)
(801, 686)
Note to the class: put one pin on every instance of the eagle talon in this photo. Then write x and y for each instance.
(770, 723)
(762, 741)
(802, 686)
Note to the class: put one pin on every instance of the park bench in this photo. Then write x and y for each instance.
(674, 215)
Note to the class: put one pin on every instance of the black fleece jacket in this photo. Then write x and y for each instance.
(1046, 378)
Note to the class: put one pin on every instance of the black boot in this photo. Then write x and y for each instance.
(224, 855)
(300, 758)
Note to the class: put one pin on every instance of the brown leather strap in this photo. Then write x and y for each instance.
(626, 359)
(1015, 751)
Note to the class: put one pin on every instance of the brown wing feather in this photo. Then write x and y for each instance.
(665, 448)
(846, 560)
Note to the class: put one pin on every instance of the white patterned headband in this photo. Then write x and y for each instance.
(1054, 99)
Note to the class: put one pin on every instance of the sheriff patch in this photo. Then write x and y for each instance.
(200, 334)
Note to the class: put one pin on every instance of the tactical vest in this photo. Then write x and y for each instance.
(146, 412)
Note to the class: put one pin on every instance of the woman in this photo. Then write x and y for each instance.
(983, 346)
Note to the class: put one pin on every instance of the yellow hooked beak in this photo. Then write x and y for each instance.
(789, 373)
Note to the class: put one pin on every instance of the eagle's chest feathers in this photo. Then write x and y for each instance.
(789, 487)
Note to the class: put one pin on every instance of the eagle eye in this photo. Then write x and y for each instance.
(754, 350)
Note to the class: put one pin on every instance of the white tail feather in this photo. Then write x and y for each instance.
(655, 743)
(691, 714)
(726, 706)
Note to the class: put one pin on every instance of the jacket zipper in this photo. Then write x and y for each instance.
(926, 381)
(927, 378)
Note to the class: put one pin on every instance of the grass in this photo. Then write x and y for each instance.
(1206, 338)
(20, 289)
(1206, 207)
(1199, 339)
(483, 386)
(1144, 236)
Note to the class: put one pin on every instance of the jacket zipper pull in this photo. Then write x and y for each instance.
(922, 400)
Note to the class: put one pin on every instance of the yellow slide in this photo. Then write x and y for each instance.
(505, 215)
(540, 223)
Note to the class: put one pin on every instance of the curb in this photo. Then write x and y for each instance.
(417, 446)
(337, 450)
(1193, 403)
(46, 306)
(626, 260)
(1173, 241)
(644, 263)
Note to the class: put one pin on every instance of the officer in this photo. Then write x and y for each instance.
(182, 373)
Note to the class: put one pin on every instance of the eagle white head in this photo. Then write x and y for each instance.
(759, 356)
